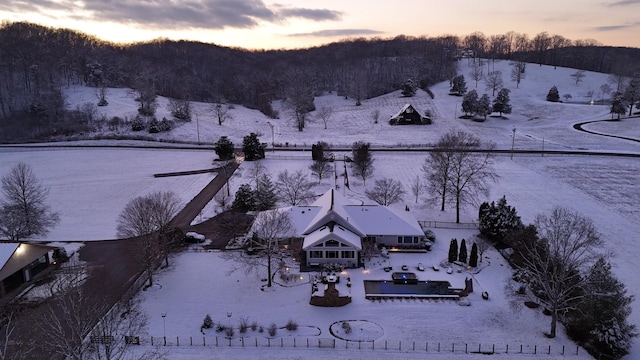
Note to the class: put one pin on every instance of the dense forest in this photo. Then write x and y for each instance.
(37, 62)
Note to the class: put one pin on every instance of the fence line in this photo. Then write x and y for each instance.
(458, 348)
(447, 225)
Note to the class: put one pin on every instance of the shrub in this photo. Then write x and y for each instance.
(229, 332)
(165, 125)
(254, 326)
(207, 323)
(154, 126)
(272, 330)
(244, 325)
(291, 325)
(261, 329)
(346, 326)
(137, 124)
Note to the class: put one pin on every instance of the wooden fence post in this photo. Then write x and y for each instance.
(190, 340)
(507, 348)
(535, 349)
(177, 340)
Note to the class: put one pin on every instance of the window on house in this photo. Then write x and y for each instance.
(399, 239)
(315, 254)
(408, 240)
(332, 254)
(348, 254)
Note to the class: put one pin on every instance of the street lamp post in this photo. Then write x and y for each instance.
(513, 141)
(164, 327)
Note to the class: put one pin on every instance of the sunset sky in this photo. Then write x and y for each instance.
(269, 24)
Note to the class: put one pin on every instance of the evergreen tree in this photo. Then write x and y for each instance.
(362, 160)
(458, 85)
(618, 105)
(453, 250)
(463, 251)
(553, 95)
(244, 200)
(408, 88)
(501, 102)
(470, 102)
(601, 319)
(252, 148)
(484, 106)
(473, 258)
(224, 148)
(265, 194)
(498, 220)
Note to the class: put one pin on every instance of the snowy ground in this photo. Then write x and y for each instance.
(91, 186)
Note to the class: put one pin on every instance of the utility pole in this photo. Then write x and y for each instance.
(513, 141)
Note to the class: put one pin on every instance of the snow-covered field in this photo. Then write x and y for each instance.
(91, 186)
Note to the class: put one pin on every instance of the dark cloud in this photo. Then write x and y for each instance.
(339, 32)
(624, 2)
(207, 14)
(605, 28)
(311, 14)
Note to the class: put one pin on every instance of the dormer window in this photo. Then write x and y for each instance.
(331, 243)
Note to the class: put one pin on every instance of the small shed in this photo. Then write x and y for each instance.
(408, 115)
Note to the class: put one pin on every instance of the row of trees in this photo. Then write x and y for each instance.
(36, 61)
(560, 259)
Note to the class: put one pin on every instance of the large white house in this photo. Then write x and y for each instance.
(334, 228)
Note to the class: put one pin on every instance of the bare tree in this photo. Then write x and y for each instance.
(300, 98)
(180, 109)
(418, 187)
(321, 169)
(222, 113)
(69, 318)
(578, 76)
(101, 94)
(117, 331)
(518, 71)
(23, 212)
(137, 222)
(325, 114)
(437, 167)
(554, 263)
(386, 192)
(375, 114)
(223, 199)
(164, 207)
(494, 81)
(269, 229)
(256, 172)
(477, 71)
(470, 172)
(294, 189)
(13, 346)
(483, 245)
(78, 324)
